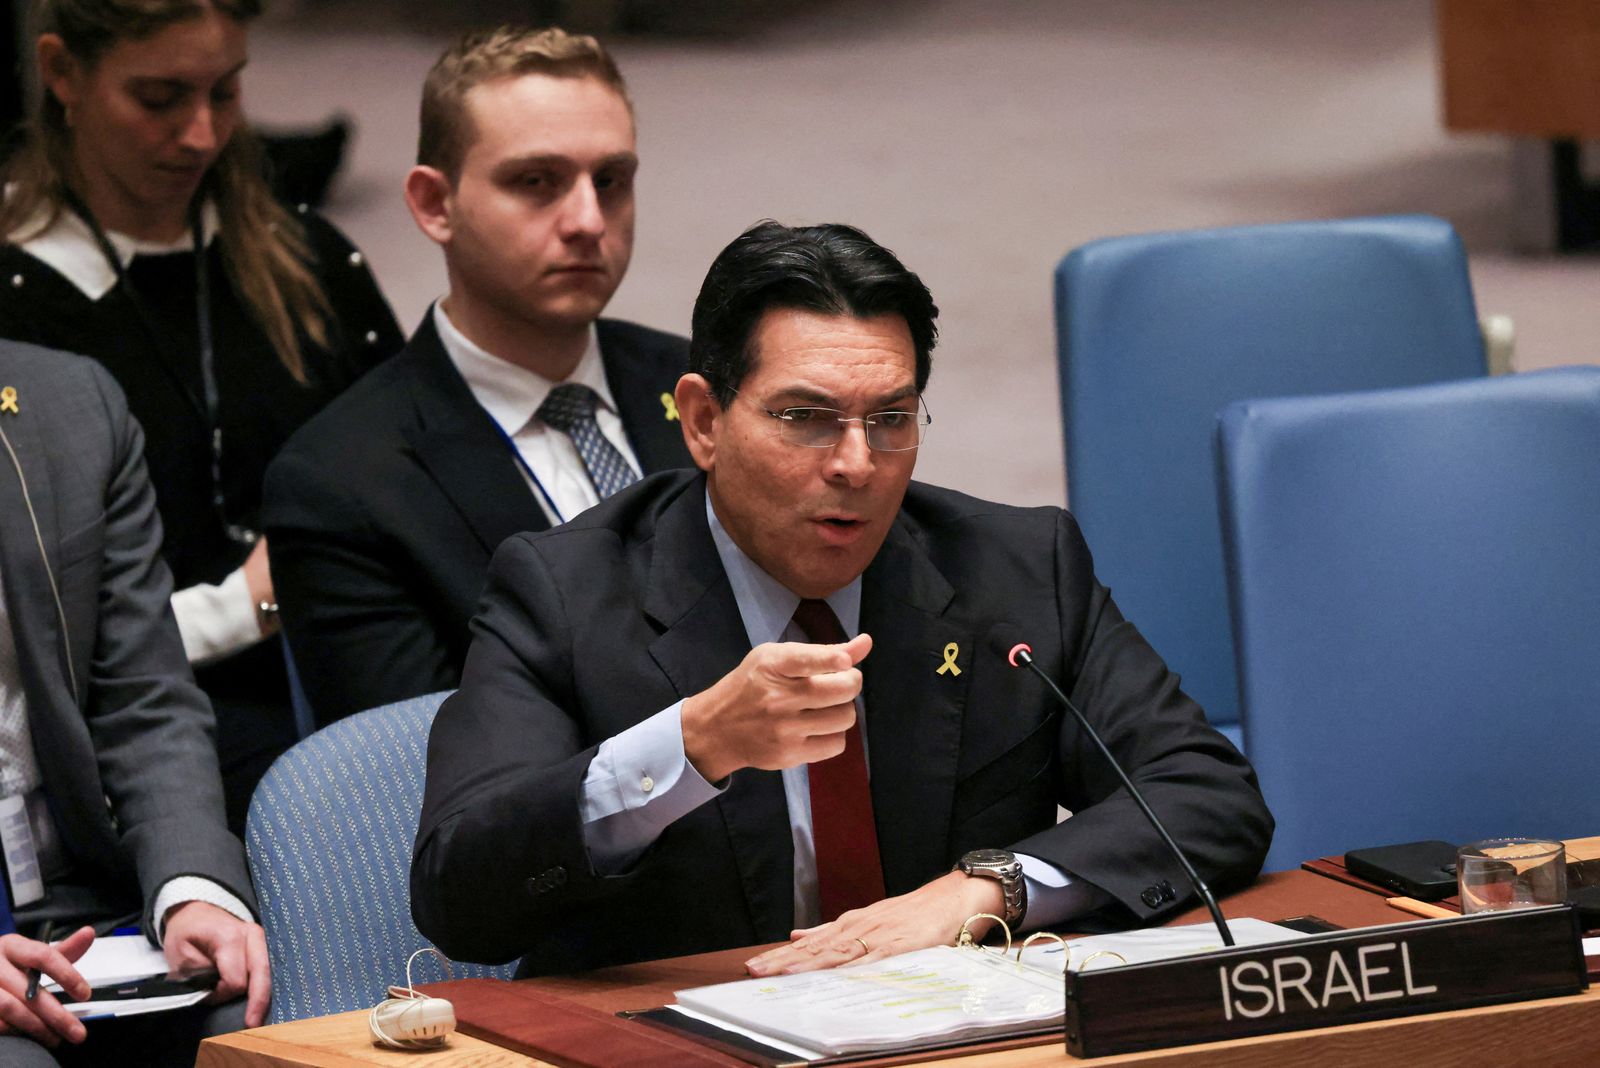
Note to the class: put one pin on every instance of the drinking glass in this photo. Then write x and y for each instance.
(1511, 873)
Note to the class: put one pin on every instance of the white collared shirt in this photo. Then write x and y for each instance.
(511, 395)
(68, 246)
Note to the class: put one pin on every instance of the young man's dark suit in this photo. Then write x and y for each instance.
(383, 511)
(591, 628)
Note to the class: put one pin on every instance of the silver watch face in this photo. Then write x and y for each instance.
(989, 858)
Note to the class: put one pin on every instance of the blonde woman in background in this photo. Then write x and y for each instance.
(140, 231)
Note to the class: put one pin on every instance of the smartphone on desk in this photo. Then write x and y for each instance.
(1423, 870)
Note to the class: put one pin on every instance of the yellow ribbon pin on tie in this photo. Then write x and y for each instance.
(8, 400)
(951, 651)
(671, 406)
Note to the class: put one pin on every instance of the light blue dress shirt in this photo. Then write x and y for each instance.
(640, 782)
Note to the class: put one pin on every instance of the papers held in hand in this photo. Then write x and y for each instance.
(164, 985)
(128, 976)
(157, 993)
(935, 995)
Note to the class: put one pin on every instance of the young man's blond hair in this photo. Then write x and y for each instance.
(486, 55)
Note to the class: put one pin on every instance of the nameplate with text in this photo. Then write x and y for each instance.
(1371, 973)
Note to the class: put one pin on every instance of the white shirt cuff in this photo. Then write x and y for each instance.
(186, 888)
(216, 620)
(1055, 895)
(638, 784)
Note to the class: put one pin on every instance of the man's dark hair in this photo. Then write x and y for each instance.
(830, 269)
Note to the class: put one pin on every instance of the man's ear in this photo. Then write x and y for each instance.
(701, 417)
(431, 198)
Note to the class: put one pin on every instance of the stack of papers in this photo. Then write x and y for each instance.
(943, 992)
(94, 1010)
(112, 960)
(1153, 943)
(118, 959)
(936, 995)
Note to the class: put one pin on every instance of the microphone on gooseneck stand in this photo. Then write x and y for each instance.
(1021, 655)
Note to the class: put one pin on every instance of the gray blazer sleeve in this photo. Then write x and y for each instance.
(151, 726)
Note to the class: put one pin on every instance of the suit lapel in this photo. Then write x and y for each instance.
(705, 639)
(456, 442)
(40, 650)
(914, 711)
(643, 398)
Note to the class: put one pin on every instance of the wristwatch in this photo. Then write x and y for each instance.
(1003, 866)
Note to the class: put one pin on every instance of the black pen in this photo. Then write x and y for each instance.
(33, 973)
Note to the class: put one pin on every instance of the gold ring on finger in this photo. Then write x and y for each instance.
(865, 949)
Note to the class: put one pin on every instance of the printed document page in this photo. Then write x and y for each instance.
(930, 993)
(939, 993)
(1154, 943)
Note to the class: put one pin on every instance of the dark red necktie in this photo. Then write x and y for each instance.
(849, 871)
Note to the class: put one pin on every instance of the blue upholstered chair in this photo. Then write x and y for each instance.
(329, 840)
(1156, 333)
(1415, 579)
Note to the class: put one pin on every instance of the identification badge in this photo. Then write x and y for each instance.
(22, 859)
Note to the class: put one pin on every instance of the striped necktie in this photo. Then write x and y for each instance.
(569, 408)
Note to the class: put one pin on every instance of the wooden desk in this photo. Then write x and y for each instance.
(1583, 869)
(1551, 1031)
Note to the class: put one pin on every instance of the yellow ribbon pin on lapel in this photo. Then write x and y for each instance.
(671, 406)
(8, 400)
(951, 651)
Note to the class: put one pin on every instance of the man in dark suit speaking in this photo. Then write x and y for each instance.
(513, 407)
(770, 700)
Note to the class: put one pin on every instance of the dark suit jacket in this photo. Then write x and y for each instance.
(590, 628)
(383, 511)
(137, 733)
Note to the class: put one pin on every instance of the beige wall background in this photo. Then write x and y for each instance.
(981, 141)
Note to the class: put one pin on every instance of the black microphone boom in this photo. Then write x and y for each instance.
(1022, 655)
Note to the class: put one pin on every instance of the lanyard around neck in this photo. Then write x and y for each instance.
(210, 401)
(522, 462)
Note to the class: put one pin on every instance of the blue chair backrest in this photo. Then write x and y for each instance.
(329, 840)
(1156, 333)
(1415, 577)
